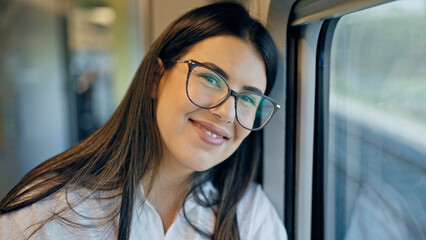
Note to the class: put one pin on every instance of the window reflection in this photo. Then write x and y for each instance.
(376, 174)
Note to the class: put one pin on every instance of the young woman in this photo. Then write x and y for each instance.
(178, 157)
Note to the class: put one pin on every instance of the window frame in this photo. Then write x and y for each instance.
(309, 37)
(322, 93)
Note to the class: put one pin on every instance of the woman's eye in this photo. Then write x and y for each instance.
(248, 99)
(213, 80)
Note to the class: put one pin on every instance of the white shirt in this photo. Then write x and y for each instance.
(257, 219)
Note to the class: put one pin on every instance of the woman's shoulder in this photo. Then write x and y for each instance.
(21, 223)
(257, 216)
(86, 209)
(254, 195)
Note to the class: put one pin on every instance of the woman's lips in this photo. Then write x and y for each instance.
(209, 132)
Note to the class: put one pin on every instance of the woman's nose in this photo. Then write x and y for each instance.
(226, 111)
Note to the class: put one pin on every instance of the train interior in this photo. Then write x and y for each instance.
(344, 159)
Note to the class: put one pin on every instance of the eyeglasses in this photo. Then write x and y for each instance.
(207, 89)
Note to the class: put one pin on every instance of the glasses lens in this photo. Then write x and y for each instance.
(205, 88)
(253, 110)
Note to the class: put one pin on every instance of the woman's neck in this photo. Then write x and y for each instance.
(169, 188)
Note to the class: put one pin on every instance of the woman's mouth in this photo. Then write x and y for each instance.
(209, 132)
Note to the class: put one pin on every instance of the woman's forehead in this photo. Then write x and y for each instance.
(234, 56)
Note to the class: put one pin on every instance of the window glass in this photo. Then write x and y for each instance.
(375, 172)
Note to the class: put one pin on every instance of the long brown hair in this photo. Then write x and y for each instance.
(128, 145)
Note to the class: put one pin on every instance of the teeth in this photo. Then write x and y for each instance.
(211, 134)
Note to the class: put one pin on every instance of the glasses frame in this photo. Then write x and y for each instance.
(193, 64)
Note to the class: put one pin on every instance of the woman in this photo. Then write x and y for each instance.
(178, 157)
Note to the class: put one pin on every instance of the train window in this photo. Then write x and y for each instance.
(375, 164)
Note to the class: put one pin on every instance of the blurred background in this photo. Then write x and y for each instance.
(64, 67)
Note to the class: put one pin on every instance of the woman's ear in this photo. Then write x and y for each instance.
(159, 70)
(160, 62)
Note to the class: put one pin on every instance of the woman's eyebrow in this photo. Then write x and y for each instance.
(252, 89)
(217, 69)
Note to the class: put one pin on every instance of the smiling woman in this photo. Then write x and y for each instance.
(178, 158)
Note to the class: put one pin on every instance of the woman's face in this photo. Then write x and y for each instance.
(186, 130)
